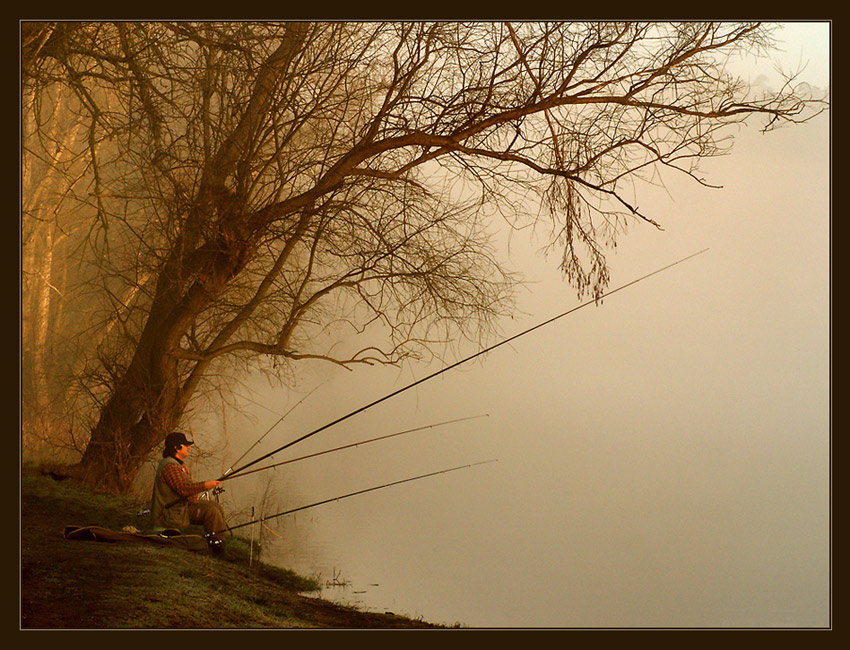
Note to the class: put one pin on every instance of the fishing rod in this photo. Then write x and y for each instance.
(350, 494)
(356, 444)
(218, 490)
(327, 451)
(260, 439)
(462, 361)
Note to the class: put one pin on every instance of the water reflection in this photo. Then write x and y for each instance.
(307, 548)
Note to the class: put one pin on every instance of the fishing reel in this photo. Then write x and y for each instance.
(212, 494)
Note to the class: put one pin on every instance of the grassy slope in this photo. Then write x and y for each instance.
(82, 584)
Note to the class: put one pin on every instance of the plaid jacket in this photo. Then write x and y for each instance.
(176, 476)
(173, 489)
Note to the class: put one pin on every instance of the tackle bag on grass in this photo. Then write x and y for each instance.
(167, 537)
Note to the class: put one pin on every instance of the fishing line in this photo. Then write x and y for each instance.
(282, 417)
(351, 494)
(462, 361)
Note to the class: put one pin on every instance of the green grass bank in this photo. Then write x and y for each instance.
(74, 584)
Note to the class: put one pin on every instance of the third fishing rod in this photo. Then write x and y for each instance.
(458, 363)
(350, 494)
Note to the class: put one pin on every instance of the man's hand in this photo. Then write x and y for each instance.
(209, 485)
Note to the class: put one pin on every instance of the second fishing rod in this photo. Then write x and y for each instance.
(359, 443)
(236, 471)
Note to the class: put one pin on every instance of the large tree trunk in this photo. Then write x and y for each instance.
(148, 401)
(140, 412)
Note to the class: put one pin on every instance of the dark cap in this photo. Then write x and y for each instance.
(176, 439)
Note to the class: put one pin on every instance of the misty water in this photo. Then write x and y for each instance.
(662, 458)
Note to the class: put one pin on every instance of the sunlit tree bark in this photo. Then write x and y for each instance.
(45, 243)
(251, 186)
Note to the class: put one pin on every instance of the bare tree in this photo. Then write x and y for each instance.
(252, 190)
(52, 167)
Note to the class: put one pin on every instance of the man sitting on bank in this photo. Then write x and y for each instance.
(176, 501)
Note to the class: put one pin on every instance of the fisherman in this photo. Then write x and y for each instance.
(176, 501)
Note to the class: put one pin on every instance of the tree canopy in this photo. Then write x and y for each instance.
(205, 196)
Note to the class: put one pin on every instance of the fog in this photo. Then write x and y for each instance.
(663, 458)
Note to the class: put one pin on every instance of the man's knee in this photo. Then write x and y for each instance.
(211, 515)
